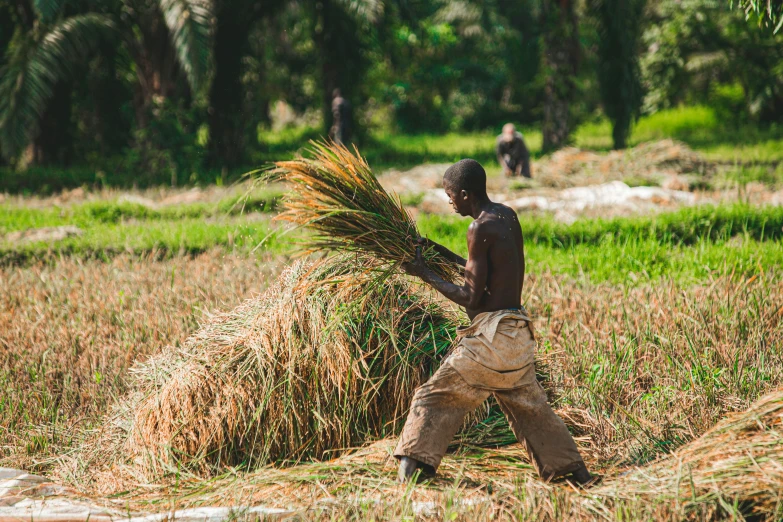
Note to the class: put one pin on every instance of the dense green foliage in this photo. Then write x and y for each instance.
(186, 91)
(758, 150)
(698, 52)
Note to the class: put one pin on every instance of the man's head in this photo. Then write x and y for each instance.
(465, 182)
(336, 93)
(509, 131)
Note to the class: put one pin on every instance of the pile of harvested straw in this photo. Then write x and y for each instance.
(336, 195)
(733, 470)
(317, 364)
(649, 162)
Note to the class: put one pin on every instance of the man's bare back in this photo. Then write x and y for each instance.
(495, 268)
(497, 229)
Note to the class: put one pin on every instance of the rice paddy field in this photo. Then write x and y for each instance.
(660, 345)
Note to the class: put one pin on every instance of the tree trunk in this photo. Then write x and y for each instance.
(324, 41)
(227, 119)
(226, 94)
(112, 130)
(157, 70)
(619, 78)
(341, 58)
(561, 62)
(54, 143)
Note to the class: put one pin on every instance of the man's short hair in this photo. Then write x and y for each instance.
(467, 175)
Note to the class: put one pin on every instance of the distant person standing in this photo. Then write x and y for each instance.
(340, 131)
(512, 153)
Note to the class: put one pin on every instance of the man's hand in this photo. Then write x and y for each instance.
(417, 267)
(426, 244)
(467, 295)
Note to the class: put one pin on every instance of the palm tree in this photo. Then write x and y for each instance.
(39, 61)
(619, 77)
(166, 38)
(161, 37)
(337, 35)
(561, 55)
(234, 22)
(335, 24)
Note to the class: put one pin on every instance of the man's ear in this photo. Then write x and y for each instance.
(463, 194)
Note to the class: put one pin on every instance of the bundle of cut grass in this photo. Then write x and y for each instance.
(337, 196)
(317, 364)
(734, 470)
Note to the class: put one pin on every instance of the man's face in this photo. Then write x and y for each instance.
(459, 201)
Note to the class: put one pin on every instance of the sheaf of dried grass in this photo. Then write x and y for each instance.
(336, 196)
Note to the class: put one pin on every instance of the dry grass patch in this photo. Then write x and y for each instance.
(649, 162)
(732, 472)
(644, 370)
(70, 329)
(636, 373)
(338, 198)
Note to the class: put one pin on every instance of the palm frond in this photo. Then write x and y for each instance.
(34, 68)
(190, 24)
(48, 9)
(768, 12)
(464, 16)
(364, 10)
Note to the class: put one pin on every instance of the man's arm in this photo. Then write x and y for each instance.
(476, 269)
(499, 154)
(445, 252)
(525, 160)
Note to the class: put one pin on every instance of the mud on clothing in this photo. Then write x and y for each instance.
(494, 355)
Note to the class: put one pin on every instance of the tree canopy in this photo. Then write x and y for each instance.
(172, 85)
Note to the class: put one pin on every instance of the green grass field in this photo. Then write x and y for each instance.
(692, 243)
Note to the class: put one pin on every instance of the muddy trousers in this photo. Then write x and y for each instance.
(439, 408)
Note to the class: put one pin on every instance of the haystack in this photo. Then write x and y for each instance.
(318, 364)
(649, 162)
(734, 469)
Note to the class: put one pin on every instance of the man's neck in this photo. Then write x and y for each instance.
(478, 206)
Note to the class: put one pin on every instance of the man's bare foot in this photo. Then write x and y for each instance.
(408, 467)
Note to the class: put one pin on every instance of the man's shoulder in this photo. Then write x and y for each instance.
(489, 219)
(481, 225)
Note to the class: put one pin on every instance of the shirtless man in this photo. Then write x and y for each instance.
(495, 354)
